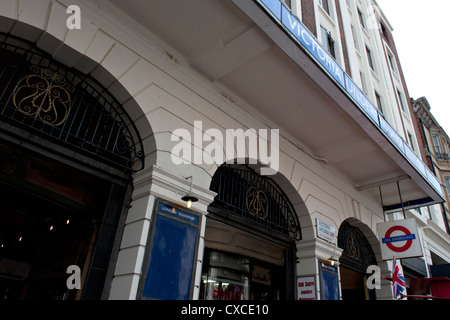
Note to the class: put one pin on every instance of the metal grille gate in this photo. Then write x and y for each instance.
(254, 198)
(42, 96)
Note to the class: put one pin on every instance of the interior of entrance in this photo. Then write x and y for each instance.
(50, 214)
(229, 276)
(353, 285)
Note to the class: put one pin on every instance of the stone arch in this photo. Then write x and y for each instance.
(272, 236)
(69, 109)
(357, 252)
(79, 59)
(371, 240)
(76, 58)
(369, 235)
(281, 180)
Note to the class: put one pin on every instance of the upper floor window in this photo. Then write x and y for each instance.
(384, 31)
(361, 19)
(379, 102)
(391, 60)
(325, 5)
(287, 3)
(355, 39)
(400, 100)
(437, 145)
(447, 184)
(370, 59)
(411, 143)
(327, 41)
(363, 82)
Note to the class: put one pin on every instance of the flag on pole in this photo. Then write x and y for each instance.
(398, 281)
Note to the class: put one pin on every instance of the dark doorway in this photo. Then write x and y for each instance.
(51, 215)
(353, 285)
(228, 276)
(67, 152)
(357, 255)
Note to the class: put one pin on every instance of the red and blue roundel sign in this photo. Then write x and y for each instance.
(408, 237)
(399, 238)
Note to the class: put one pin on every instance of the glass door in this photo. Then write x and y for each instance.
(232, 277)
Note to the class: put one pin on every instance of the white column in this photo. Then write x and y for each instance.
(150, 185)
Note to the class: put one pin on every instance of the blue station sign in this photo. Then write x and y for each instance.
(310, 43)
(177, 213)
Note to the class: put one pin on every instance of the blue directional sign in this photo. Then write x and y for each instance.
(399, 238)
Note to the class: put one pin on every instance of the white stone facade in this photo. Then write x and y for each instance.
(161, 92)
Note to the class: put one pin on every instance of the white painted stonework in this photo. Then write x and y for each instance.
(162, 93)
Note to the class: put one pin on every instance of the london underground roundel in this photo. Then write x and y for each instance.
(389, 240)
(399, 238)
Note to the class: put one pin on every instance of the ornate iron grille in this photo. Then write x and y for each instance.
(256, 199)
(45, 98)
(358, 253)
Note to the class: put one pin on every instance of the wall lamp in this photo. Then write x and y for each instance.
(334, 258)
(190, 196)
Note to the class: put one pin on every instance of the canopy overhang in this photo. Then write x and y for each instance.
(251, 51)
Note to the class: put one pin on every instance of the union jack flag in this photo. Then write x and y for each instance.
(398, 281)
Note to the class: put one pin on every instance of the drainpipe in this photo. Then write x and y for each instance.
(444, 211)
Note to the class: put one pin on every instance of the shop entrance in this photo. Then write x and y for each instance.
(50, 216)
(228, 276)
(353, 285)
(67, 152)
(357, 255)
(250, 238)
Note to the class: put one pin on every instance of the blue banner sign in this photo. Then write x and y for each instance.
(399, 238)
(177, 213)
(392, 134)
(412, 157)
(310, 43)
(274, 7)
(361, 99)
(433, 180)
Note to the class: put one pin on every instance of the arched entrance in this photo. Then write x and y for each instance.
(357, 255)
(250, 238)
(67, 152)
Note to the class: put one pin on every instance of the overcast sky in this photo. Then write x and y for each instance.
(423, 45)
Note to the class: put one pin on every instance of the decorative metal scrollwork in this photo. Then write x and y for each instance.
(42, 97)
(352, 246)
(358, 253)
(256, 200)
(247, 195)
(45, 95)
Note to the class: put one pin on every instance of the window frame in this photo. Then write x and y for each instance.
(370, 58)
(325, 4)
(287, 3)
(411, 142)
(328, 41)
(379, 102)
(401, 101)
(361, 19)
(447, 184)
(436, 144)
(355, 38)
